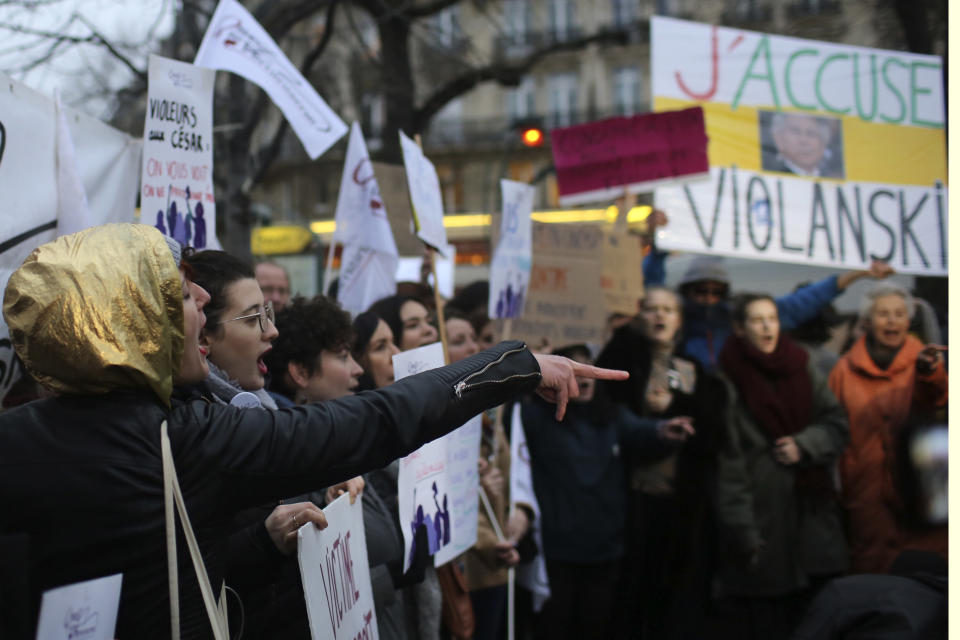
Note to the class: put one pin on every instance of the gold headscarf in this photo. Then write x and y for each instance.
(99, 310)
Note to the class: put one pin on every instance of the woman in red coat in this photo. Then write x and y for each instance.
(886, 378)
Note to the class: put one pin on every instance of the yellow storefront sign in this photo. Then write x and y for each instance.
(267, 241)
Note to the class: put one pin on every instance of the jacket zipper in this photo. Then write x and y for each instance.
(463, 384)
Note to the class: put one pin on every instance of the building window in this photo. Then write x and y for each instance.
(561, 19)
(516, 21)
(372, 118)
(624, 12)
(626, 91)
(447, 26)
(562, 92)
(520, 100)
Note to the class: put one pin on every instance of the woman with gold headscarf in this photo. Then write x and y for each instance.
(107, 319)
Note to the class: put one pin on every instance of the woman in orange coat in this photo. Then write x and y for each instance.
(885, 379)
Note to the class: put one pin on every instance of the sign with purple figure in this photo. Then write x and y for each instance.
(177, 176)
(512, 259)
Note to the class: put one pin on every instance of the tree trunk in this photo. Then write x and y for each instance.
(397, 82)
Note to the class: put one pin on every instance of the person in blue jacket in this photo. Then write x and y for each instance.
(705, 289)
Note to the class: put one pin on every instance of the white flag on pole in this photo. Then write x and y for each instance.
(236, 42)
(366, 276)
(533, 575)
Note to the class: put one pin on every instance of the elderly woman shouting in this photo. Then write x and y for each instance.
(886, 377)
(110, 319)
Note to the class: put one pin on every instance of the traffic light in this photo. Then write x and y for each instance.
(532, 136)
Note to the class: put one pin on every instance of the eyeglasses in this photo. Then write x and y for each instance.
(265, 313)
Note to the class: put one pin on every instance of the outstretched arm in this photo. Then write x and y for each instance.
(558, 381)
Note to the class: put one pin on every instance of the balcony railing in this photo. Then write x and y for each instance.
(517, 45)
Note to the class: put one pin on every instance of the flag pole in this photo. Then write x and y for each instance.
(329, 268)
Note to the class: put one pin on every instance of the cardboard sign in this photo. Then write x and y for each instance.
(565, 304)
(336, 574)
(622, 279)
(82, 610)
(395, 194)
(176, 193)
(513, 257)
(236, 42)
(107, 160)
(599, 160)
(820, 153)
(426, 201)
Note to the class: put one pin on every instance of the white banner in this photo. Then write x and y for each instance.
(820, 153)
(108, 162)
(746, 214)
(437, 483)
(425, 197)
(236, 42)
(513, 257)
(336, 574)
(176, 193)
(361, 216)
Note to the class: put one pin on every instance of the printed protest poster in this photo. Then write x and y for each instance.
(82, 610)
(463, 449)
(425, 198)
(236, 42)
(437, 483)
(820, 153)
(336, 574)
(513, 257)
(107, 161)
(622, 278)
(176, 192)
(598, 161)
(565, 304)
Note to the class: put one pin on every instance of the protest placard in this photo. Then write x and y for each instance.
(622, 276)
(437, 483)
(395, 194)
(176, 192)
(336, 574)
(599, 160)
(565, 303)
(820, 153)
(513, 257)
(107, 161)
(426, 200)
(85, 610)
(236, 42)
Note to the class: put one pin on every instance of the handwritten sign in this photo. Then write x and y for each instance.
(425, 198)
(513, 257)
(176, 193)
(599, 160)
(437, 483)
(85, 610)
(622, 277)
(236, 42)
(336, 574)
(565, 304)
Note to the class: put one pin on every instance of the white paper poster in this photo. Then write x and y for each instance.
(85, 610)
(437, 483)
(176, 192)
(365, 276)
(513, 257)
(236, 42)
(425, 197)
(336, 574)
(108, 162)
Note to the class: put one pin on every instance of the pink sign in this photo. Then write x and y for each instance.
(599, 160)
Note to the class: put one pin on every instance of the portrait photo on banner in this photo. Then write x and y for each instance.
(801, 144)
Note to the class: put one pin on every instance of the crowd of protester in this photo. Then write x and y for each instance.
(749, 475)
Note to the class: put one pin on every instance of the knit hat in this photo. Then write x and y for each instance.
(175, 249)
(706, 268)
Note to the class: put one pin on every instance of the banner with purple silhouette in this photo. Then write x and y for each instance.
(512, 259)
(176, 188)
(437, 483)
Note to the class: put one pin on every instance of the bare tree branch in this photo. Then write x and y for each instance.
(506, 74)
(426, 10)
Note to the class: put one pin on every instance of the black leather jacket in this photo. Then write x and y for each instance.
(82, 474)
